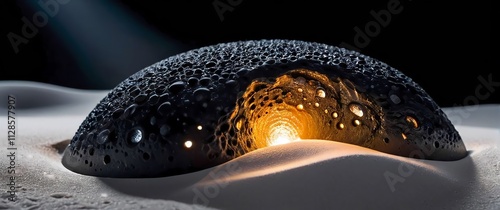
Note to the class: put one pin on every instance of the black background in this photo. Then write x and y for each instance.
(443, 46)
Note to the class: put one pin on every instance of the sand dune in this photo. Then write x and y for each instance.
(309, 174)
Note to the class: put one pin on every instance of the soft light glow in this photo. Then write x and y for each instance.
(199, 127)
(282, 134)
(281, 140)
(188, 144)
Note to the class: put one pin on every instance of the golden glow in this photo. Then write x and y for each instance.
(238, 124)
(341, 125)
(412, 121)
(282, 124)
(280, 140)
(293, 118)
(282, 134)
(321, 93)
(188, 144)
(356, 109)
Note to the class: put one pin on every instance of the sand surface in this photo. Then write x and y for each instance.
(312, 174)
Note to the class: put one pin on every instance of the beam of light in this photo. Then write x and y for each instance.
(108, 42)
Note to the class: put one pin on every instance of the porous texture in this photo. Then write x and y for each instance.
(140, 128)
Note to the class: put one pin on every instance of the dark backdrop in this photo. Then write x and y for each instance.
(445, 47)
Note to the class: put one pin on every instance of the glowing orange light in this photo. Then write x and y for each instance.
(282, 134)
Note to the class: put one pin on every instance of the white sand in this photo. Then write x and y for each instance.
(311, 174)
